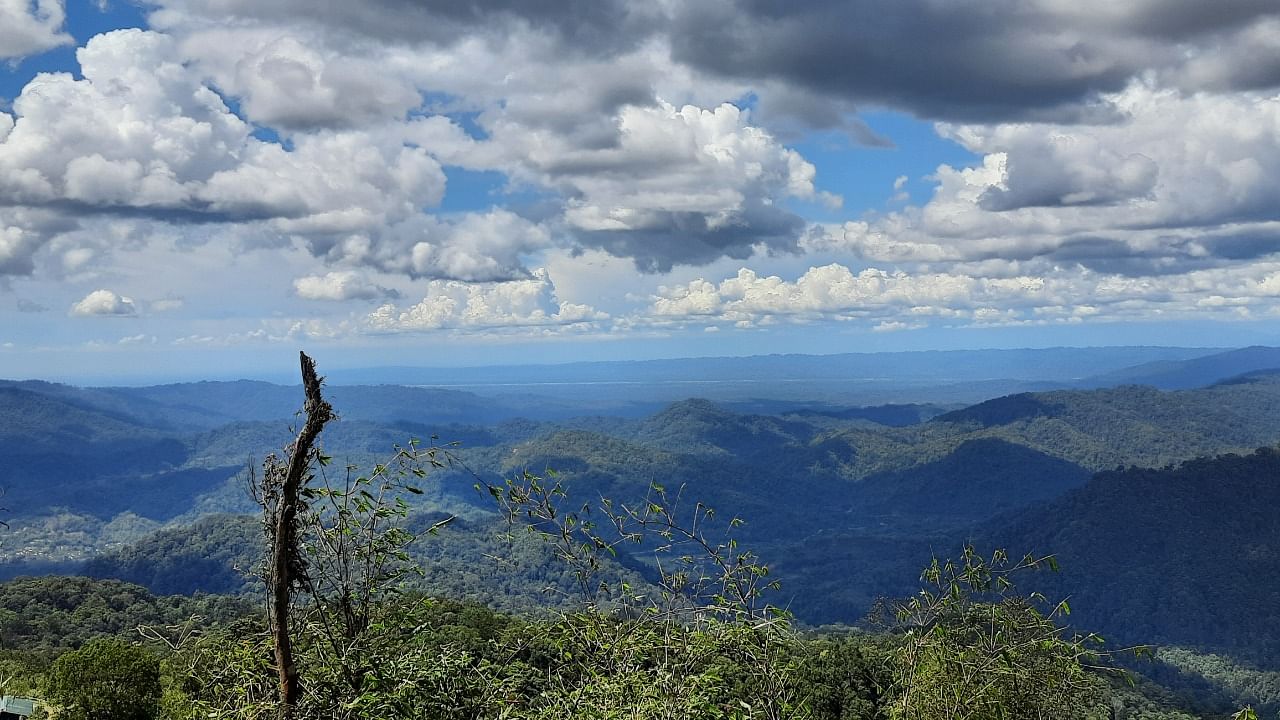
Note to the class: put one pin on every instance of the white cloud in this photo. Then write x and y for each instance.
(142, 133)
(484, 306)
(896, 325)
(476, 246)
(168, 304)
(1183, 181)
(104, 302)
(833, 291)
(30, 28)
(901, 300)
(145, 133)
(273, 331)
(17, 245)
(663, 183)
(689, 159)
(337, 285)
(625, 146)
(286, 82)
(704, 178)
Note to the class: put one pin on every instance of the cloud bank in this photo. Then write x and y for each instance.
(1128, 157)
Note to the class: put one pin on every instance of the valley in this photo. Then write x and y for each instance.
(1151, 500)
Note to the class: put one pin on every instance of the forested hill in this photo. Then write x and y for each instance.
(77, 462)
(847, 508)
(796, 476)
(1181, 557)
(202, 406)
(1187, 555)
(1100, 429)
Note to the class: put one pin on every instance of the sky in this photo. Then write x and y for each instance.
(203, 187)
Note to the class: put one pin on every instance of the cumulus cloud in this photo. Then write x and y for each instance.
(817, 62)
(478, 247)
(339, 285)
(17, 246)
(1116, 140)
(272, 331)
(1174, 160)
(141, 136)
(665, 183)
(835, 291)
(691, 180)
(483, 306)
(660, 184)
(285, 82)
(23, 231)
(683, 186)
(1246, 59)
(987, 60)
(593, 26)
(30, 28)
(144, 135)
(104, 303)
(1184, 182)
(889, 301)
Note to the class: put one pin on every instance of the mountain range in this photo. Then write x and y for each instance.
(1153, 485)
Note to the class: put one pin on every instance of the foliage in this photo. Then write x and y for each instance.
(846, 676)
(216, 553)
(973, 649)
(662, 653)
(354, 541)
(432, 659)
(49, 615)
(342, 545)
(22, 672)
(107, 679)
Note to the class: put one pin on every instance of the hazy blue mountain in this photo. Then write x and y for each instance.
(938, 366)
(58, 453)
(957, 376)
(191, 407)
(34, 419)
(1180, 374)
(893, 415)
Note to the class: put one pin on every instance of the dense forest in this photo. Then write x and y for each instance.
(1151, 505)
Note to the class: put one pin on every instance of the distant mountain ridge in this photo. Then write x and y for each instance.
(95, 442)
(1055, 364)
(1193, 372)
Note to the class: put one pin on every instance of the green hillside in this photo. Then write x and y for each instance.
(1183, 556)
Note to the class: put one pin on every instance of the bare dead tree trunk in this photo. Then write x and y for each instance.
(283, 562)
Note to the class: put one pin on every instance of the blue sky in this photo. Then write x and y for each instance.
(200, 188)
